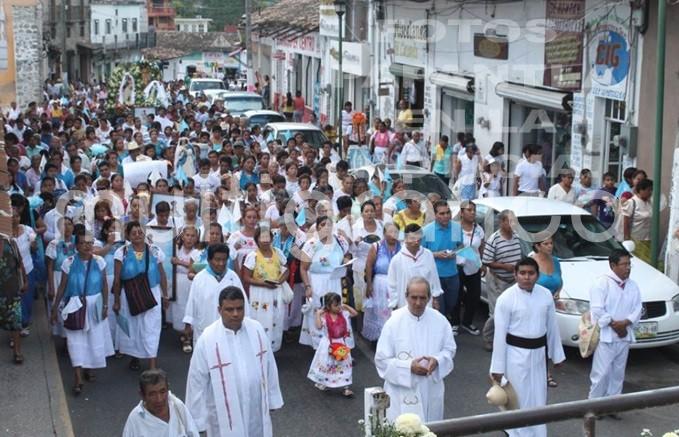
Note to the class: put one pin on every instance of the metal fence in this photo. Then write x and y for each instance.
(587, 410)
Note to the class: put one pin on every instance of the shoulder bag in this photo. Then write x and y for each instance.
(138, 290)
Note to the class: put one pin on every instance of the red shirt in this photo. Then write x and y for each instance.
(299, 103)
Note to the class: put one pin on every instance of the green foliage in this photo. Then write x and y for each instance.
(143, 73)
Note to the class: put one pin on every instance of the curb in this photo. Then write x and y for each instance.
(58, 406)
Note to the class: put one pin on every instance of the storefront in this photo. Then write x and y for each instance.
(456, 110)
(538, 116)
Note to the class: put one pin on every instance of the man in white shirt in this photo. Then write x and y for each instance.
(563, 190)
(529, 174)
(615, 304)
(201, 307)
(159, 413)
(412, 260)
(414, 354)
(415, 151)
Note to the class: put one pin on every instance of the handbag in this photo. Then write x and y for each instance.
(287, 295)
(138, 290)
(75, 321)
(589, 335)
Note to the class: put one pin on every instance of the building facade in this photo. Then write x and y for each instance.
(161, 15)
(193, 25)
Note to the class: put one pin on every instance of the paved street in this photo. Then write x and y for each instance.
(103, 407)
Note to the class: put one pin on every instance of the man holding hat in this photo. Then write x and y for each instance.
(615, 305)
(525, 324)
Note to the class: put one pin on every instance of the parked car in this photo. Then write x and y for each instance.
(282, 131)
(416, 178)
(263, 117)
(583, 260)
(204, 84)
(238, 103)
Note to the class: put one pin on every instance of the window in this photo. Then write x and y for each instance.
(68, 31)
(193, 28)
(134, 25)
(124, 25)
(201, 28)
(613, 156)
(82, 30)
(96, 27)
(108, 26)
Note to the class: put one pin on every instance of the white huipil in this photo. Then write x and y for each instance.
(233, 381)
(612, 299)
(182, 286)
(404, 266)
(404, 338)
(141, 423)
(528, 315)
(203, 301)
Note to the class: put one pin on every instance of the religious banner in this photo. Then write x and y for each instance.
(564, 21)
(164, 239)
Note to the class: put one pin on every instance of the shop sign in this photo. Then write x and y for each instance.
(410, 41)
(328, 23)
(491, 47)
(563, 46)
(609, 54)
(305, 45)
(355, 57)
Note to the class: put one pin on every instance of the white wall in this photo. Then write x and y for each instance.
(106, 12)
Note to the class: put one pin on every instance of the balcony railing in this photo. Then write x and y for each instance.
(135, 41)
(161, 11)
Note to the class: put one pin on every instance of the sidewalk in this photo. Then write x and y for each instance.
(32, 395)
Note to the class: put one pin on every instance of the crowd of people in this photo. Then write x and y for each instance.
(273, 243)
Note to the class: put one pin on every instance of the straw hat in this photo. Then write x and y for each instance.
(588, 335)
(504, 397)
(132, 145)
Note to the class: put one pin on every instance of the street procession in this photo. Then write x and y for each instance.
(236, 227)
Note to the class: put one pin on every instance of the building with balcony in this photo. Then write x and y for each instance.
(193, 25)
(161, 15)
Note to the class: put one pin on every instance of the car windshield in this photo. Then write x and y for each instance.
(242, 104)
(568, 243)
(207, 85)
(314, 137)
(264, 119)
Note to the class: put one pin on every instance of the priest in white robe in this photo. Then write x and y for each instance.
(414, 354)
(615, 302)
(233, 380)
(525, 323)
(159, 413)
(412, 260)
(202, 305)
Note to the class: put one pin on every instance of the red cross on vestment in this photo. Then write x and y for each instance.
(220, 365)
(260, 354)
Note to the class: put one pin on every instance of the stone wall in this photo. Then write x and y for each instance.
(27, 26)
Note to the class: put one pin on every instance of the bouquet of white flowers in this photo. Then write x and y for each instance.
(405, 425)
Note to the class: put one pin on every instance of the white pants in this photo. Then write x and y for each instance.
(608, 369)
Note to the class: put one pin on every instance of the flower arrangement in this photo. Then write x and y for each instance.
(405, 425)
(647, 433)
(141, 73)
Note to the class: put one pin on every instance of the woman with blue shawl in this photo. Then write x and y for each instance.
(141, 334)
(83, 283)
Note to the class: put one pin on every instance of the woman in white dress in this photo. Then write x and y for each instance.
(366, 231)
(322, 257)
(264, 271)
(242, 242)
(56, 253)
(110, 239)
(187, 254)
(132, 261)
(83, 282)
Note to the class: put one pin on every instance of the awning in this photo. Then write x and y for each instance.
(408, 71)
(540, 97)
(462, 86)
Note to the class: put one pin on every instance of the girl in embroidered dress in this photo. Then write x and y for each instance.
(264, 271)
(186, 256)
(331, 366)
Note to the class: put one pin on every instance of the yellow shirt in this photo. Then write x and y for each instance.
(266, 268)
(401, 220)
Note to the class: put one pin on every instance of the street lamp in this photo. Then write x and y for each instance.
(340, 10)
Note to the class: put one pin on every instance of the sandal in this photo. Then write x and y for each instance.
(18, 359)
(347, 393)
(77, 389)
(90, 377)
(134, 364)
(551, 382)
(321, 387)
(187, 348)
(118, 355)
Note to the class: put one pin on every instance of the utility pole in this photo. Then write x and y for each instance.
(250, 74)
(659, 110)
(64, 66)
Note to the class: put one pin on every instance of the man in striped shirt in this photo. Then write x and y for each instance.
(501, 253)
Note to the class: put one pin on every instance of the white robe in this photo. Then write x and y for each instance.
(203, 300)
(233, 381)
(404, 338)
(141, 423)
(608, 302)
(528, 315)
(404, 266)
